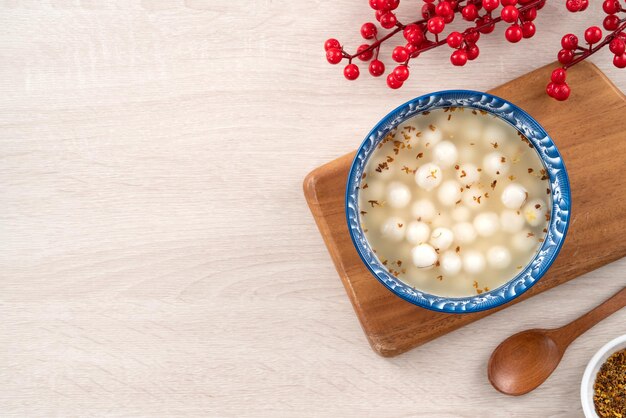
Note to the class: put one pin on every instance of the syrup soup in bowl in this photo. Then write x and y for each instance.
(458, 201)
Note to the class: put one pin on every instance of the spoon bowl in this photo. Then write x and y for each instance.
(531, 354)
(525, 360)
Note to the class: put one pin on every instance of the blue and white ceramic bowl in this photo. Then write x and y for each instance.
(559, 184)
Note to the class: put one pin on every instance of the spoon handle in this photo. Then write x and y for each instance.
(568, 333)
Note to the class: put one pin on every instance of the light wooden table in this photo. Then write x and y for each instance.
(157, 256)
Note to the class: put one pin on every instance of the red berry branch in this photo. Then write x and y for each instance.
(572, 53)
(425, 34)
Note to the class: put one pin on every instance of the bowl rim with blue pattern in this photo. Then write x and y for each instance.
(559, 186)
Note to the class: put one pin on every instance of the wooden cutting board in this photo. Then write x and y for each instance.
(590, 131)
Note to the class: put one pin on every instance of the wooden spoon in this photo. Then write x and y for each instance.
(525, 360)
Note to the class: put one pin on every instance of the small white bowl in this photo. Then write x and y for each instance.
(589, 377)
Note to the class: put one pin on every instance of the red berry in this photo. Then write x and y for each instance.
(488, 21)
(454, 39)
(436, 24)
(379, 14)
(388, 20)
(401, 73)
(472, 52)
(400, 54)
(472, 36)
(444, 9)
(558, 76)
(509, 14)
(561, 92)
(593, 34)
(413, 34)
(573, 5)
(583, 4)
(513, 33)
(393, 82)
(569, 41)
(530, 14)
(610, 6)
(550, 89)
(368, 30)
(508, 2)
(458, 57)
(617, 46)
(528, 29)
(374, 4)
(490, 5)
(565, 56)
(388, 4)
(449, 18)
(428, 10)
(619, 61)
(469, 12)
(334, 55)
(377, 68)
(611, 22)
(364, 56)
(331, 43)
(412, 50)
(351, 72)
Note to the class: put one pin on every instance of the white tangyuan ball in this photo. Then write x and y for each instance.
(534, 212)
(464, 232)
(494, 134)
(393, 229)
(450, 263)
(398, 195)
(461, 214)
(513, 196)
(486, 223)
(511, 221)
(473, 262)
(524, 240)
(445, 154)
(423, 210)
(472, 197)
(431, 136)
(468, 174)
(449, 193)
(496, 164)
(417, 232)
(442, 238)
(424, 256)
(428, 176)
(498, 257)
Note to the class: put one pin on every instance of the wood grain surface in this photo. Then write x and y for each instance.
(157, 255)
(392, 325)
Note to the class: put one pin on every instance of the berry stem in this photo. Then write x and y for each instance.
(399, 27)
(597, 47)
(439, 42)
